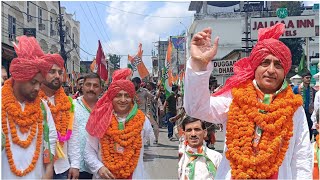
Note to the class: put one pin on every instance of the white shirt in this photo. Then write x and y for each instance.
(71, 150)
(200, 171)
(22, 157)
(297, 163)
(92, 154)
(316, 105)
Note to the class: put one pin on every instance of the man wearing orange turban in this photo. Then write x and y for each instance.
(117, 130)
(27, 122)
(67, 160)
(265, 125)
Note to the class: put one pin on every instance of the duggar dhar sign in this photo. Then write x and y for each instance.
(223, 67)
(296, 26)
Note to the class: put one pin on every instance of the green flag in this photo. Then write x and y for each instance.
(302, 64)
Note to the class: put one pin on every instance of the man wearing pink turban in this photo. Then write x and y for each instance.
(26, 120)
(67, 160)
(265, 125)
(117, 130)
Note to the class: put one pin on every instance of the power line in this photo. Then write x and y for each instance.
(89, 21)
(80, 47)
(146, 15)
(103, 28)
(97, 25)
(26, 13)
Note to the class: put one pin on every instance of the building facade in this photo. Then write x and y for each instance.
(40, 19)
(231, 23)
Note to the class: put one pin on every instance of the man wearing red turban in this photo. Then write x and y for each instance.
(265, 125)
(63, 115)
(27, 122)
(117, 130)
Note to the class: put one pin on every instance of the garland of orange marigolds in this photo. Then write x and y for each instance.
(277, 124)
(123, 164)
(61, 113)
(28, 120)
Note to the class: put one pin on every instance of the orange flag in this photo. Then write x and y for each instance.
(137, 63)
(93, 66)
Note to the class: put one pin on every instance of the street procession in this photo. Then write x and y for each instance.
(188, 90)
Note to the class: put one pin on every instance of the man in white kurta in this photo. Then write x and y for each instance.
(67, 164)
(297, 163)
(197, 160)
(108, 123)
(93, 160)
(21, 102)
(23, 157)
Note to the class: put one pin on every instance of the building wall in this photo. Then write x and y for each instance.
(48, 40)
(230, 27)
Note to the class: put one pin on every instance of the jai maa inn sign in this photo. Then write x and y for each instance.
(296, 26)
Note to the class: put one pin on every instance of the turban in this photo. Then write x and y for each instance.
(268, 43)
(27, 63)
(52, 59)
(100, 117)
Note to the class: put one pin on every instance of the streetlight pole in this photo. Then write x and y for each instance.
(185, 44)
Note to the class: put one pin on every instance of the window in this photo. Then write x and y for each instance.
(40, 15)
(12, 28)
(51, 24)
(317, 30)
(72, 40)
(28, 12)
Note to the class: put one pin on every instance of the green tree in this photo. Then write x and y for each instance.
(294, 44)
(115, 60)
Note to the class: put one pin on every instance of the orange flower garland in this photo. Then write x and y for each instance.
(123, 164)
(277, 124)
(60, 111)
(28, 120)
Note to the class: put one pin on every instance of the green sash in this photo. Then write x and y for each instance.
(46, 143)
(132, 113)
(191, 165)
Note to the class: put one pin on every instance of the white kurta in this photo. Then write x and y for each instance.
(297, 163)
(200, 171)
(23, 157)
(316, 106)
(71, 150)
(92, 154)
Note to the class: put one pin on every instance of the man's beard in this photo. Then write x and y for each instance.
(30, 97)
(51, 85)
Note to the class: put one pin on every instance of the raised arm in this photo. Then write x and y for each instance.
(198, 102)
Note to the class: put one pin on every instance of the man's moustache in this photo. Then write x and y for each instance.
(91, 92)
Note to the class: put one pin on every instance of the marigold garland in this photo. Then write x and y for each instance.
(60, 111)
(277, 124)
(28, 120)
(123, 164)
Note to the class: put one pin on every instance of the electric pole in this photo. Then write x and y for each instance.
(62, 36)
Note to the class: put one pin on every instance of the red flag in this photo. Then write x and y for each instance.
(101, 63)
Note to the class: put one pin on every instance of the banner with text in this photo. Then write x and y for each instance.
(296, 26)
(223, 67)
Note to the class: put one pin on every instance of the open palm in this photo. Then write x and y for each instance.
(201, 48)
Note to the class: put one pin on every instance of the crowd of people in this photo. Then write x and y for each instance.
(270, 129)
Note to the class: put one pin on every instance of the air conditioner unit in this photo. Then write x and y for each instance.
(53, 33)
(42, 27)
(29, 18)
(67, 41)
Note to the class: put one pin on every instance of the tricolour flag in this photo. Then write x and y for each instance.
(167, 71)
(137, 63)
